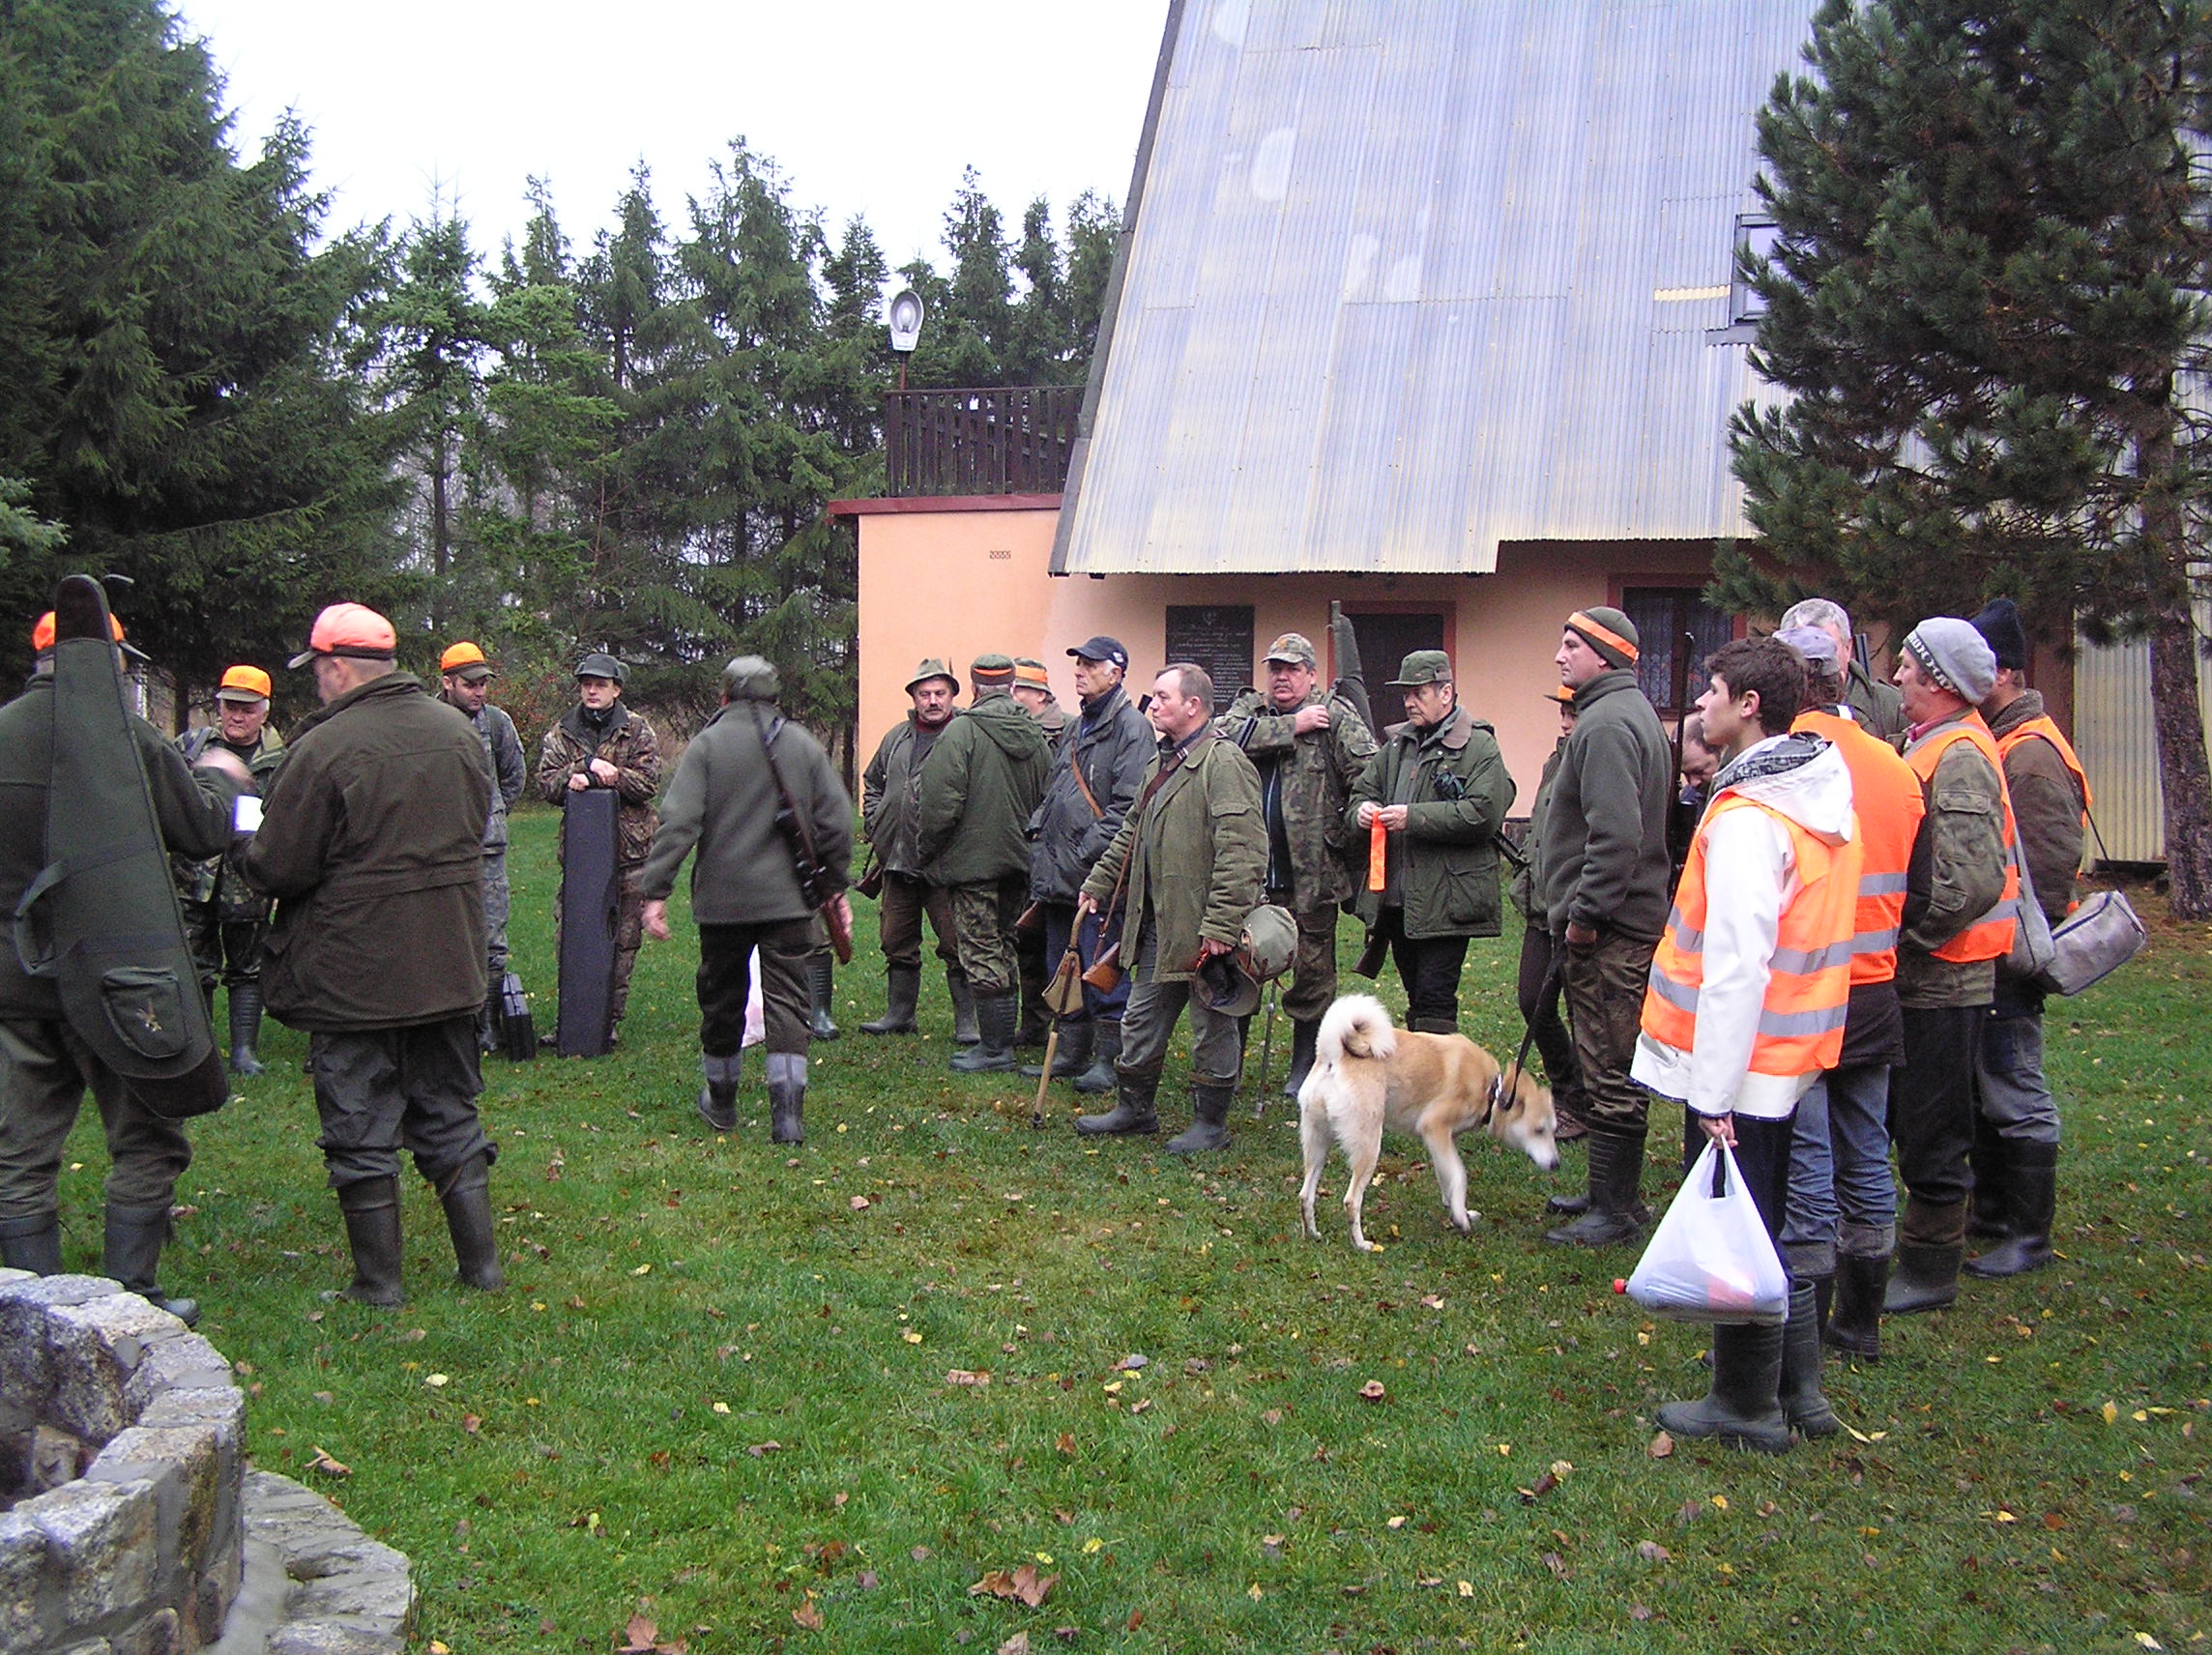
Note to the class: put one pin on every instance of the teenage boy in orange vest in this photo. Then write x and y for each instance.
(2016, 1118)
(1842, 1225)
(1750, 988)
(1958, 924)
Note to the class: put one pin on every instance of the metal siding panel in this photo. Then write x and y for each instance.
(1437, 331)
(2113, 733)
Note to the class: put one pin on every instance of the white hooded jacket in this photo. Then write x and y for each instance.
(1751, 877)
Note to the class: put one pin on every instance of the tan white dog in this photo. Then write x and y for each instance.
(1368, 1074)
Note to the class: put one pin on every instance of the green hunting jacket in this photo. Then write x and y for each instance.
(1604, 828)
(722, 803)
(890, 794)
(1453, 780)
(982, 778)
(1304, 783)
(1195, 857)
(1957, 875)
(371, 841)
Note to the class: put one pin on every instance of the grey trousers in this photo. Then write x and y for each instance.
(495, 905)
(45, 1072)
(1217, 1054)
(379, 1091)
(2010, 1090)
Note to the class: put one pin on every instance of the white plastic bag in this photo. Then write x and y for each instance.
(756, 1014)
(1710, 1260)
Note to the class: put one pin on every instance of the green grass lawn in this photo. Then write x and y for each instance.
(716, 1390)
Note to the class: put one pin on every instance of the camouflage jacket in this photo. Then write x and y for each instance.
(1304, 782)
(217, 879)
(629, 744)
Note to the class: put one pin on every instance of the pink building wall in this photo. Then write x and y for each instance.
(964, 582)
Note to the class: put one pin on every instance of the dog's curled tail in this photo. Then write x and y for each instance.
(1356, 1027)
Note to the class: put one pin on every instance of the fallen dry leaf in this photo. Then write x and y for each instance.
(1018, 1644)
(962, 1377)
(1373, 1391)
(1024, 1585)
(328, 1467)
(1543, 1486)
(1639, 1611)
(1651, 1552)
(472, 1423)
(859, 1204)
(1273, 1416)
(760, 1449)
(1691, 1510)
(1134, 1362)
(1552, 1562)
(1066, 1442)
(644, 1638)
(807, 1616)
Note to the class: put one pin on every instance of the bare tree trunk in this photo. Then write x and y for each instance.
(2185, 778)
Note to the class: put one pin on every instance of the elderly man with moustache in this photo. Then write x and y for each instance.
(1185, 874)
(1961, 898)
(1874, 704)
(890, 815)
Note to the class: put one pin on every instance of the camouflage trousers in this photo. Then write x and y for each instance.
(983, 917)
(1313, 967)
(495, 907)
(1604, 987)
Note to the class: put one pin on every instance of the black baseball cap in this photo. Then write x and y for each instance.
(1102, 649)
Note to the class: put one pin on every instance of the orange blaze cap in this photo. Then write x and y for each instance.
(43, 634)
(240, 681)
(349, 629)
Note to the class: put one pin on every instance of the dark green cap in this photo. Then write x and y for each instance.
(993, 672)
(1422, 667)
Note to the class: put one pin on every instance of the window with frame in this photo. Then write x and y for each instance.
(1676, 629)
(1755, 239)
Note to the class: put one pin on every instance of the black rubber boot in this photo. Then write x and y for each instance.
(1927, 1278)
(965, 1031)
(33, 1244)
(902, 995)
(1035, 1025)
(245, 1029)
(466, 1196)
(131, 1252)
(1072, 1055)
(822, 984)
(1743, 1408)
(487, 1026)
(1807, 1410)
(787, 1097)
(1855, 1324)
(1989, 1205)
(1208, 1121)
(995, 1018)
(1615, 1216)
(1135, 1110)
(371, 1209)
(1101, 1077)
(1303, 1037)
(718, 1096)
(2031, 1185)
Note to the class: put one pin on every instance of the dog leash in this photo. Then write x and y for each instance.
(1527, 1038)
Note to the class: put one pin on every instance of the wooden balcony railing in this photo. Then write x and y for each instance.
(1012, 440)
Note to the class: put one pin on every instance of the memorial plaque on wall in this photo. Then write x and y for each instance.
(1218, 637)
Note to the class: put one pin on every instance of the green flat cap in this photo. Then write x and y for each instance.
(993, 669)
(750, 678)
(1422, 667)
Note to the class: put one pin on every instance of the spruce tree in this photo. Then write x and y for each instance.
(1987, 297)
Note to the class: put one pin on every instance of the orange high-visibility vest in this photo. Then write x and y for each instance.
(1988, 938)
(2040, 725)
(1809, 978)
(1886, 794)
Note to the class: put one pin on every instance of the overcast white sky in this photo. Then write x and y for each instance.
(870, 107)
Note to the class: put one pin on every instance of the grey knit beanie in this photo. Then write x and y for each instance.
(1955, 656)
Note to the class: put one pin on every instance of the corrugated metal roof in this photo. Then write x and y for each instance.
(1410, 277)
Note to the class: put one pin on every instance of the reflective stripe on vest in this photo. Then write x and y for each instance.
(1885, 793)
(1990, 937)
(1809, 976)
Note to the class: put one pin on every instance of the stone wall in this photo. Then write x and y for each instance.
(122, 1462)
